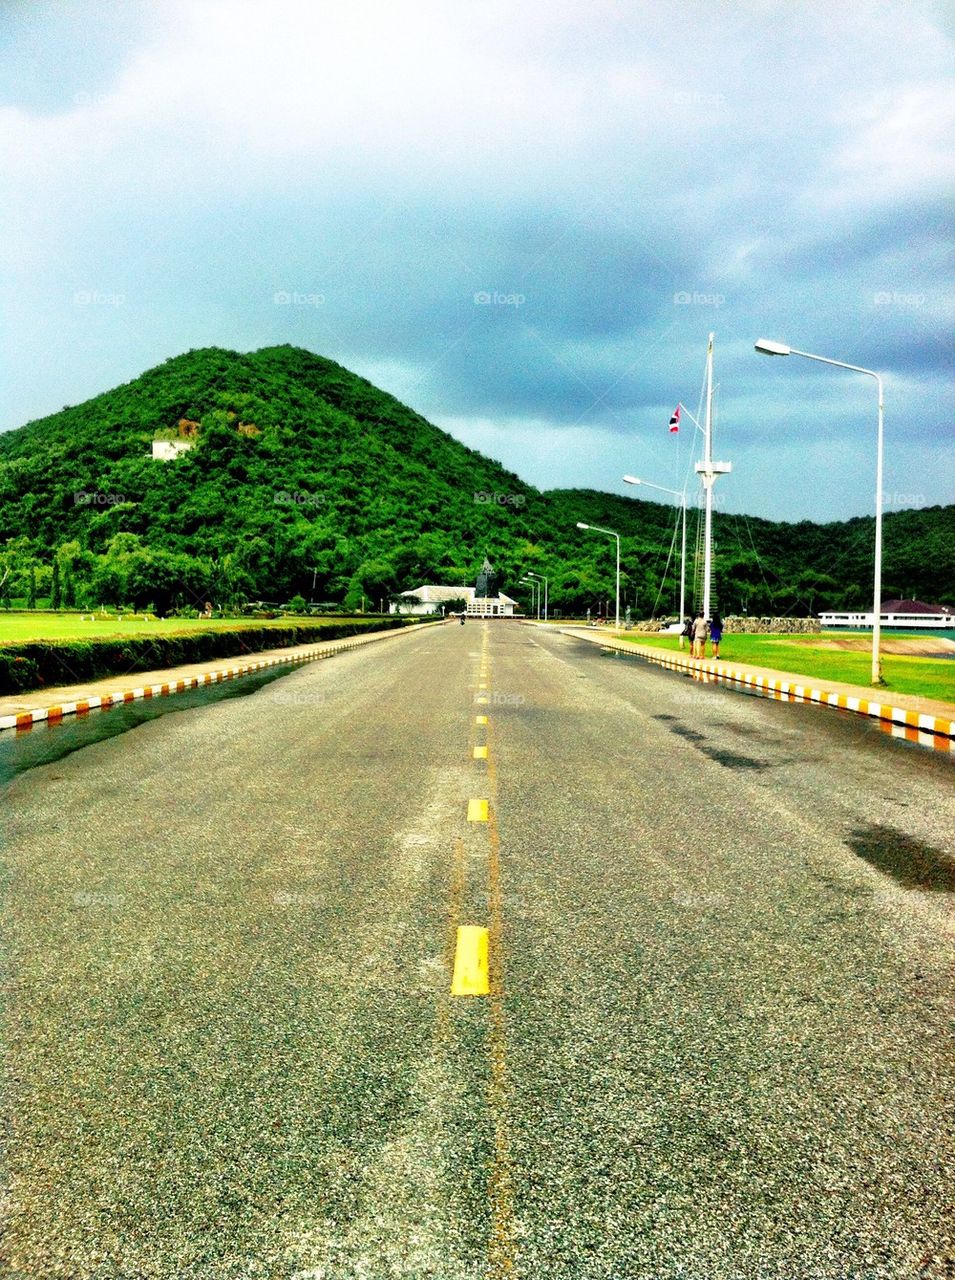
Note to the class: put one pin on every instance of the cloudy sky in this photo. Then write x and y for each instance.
(523, 219)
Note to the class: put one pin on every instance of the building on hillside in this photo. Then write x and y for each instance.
(170, 444)
(906, 615)
(166, 449)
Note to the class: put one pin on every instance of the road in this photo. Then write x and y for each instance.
(715, 1046)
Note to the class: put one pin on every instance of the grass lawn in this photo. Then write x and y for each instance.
(68, 626)
(803, 655)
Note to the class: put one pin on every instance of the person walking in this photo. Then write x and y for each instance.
(700, 631)
(687, 633)
(716, 633)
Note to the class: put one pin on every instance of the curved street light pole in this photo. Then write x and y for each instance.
(541, 577)
(682, 496)
(767, 348)
(598, 529)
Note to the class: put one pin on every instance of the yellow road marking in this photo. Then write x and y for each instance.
(471, 974)
(480, 753)
(481, 700)
(477, 811)
(501, 1183)
(480, 719)
(442, 1020)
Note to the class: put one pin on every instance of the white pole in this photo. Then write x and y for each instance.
(766, 347)
(617, 623)
(683, 574)
(539, 578)
(708, 480)
(877, 589)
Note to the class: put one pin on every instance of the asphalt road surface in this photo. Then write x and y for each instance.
(717, 1040)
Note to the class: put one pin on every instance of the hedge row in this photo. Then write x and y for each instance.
(37, 663)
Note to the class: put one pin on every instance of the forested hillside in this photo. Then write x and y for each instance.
(304, 479)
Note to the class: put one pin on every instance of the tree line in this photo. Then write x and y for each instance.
(307, 481)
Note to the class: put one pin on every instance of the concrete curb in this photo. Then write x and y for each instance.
(934, 725)
(294, 657)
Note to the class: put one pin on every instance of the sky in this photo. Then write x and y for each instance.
(521, 219)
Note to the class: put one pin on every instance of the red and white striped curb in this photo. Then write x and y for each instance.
(935, 725)
(52, 715)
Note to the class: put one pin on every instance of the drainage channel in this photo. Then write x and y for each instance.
(46, 743)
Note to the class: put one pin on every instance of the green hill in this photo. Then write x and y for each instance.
(301, 478)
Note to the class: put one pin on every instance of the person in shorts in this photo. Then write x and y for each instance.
(700, 632)
(716, 633)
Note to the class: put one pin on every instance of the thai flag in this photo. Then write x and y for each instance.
(675, 420)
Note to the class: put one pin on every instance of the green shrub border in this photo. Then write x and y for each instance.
(37, 663)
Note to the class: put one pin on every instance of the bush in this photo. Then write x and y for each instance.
(18, 673)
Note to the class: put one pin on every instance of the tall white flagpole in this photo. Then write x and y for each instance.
(708, 478)
(709, 470)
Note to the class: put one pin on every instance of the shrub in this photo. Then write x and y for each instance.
(53, 662)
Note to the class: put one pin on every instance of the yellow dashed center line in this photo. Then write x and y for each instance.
(501, 1185)
(479, 970)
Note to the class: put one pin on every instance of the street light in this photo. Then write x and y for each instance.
(546, 581)
(682, 496)
(767, 348)
(535, 599)
(597, 529)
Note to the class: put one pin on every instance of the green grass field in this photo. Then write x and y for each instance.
(24, 626)
(803, 655)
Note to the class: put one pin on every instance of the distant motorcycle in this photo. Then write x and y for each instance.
(462, 619)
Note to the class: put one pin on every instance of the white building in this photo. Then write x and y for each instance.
(910, 615)
(166, 450)
(430, 599)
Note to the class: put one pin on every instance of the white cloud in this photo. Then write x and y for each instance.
(597, 157)
(899, 143)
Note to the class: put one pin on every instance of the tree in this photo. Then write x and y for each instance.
(55, 590)
(31, 587)
(69, 587)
